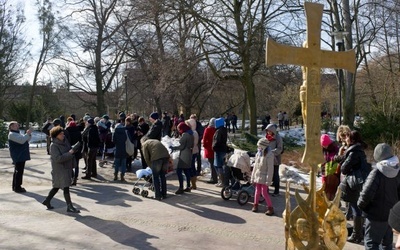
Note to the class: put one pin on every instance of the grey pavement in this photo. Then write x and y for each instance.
(113, 217)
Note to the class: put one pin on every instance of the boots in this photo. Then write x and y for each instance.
(70, 208)
(122, 178)
(270, 211)
(357, 235)
(115, 176)
(193, 180)
(74, 182)
(47, 204)
(220, 180)
(255, 208)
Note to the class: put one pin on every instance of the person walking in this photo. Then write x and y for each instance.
(208, 151)
(186, 143)
(19, 152)
(380, 193)
(62, 163)
(157, 156)
(234, 122)
(262, 174)
(276, 146)
(119, 138)
(354, 160)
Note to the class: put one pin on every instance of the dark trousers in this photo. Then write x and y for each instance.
(180, 176)
(144, 163)
(92, 166)
(198, 170)
(160, 183)
(53, 192)
(276, 179)
(377, 234)
(18, 174)
(214, 176)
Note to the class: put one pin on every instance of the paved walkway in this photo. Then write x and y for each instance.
(112, 217)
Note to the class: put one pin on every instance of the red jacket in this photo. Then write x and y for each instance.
(207, 142)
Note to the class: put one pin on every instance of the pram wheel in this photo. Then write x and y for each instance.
(144, 193)
(226, 193)
(136, 190)
(243, 197)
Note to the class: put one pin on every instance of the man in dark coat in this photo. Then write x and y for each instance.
(220, 149)
(381, 191)
(167, 124)
(155, 131)
(19, 152)
(143, 128)
(91, 140)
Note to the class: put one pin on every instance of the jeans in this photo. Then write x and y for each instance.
(186, 171)
(158, 168)
(120, 165)
(219, 160)
(354, 209)
(377, 233)
(18, 174)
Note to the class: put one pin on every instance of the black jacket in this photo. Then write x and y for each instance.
(220, 139)
(155, 131)
(380, 192)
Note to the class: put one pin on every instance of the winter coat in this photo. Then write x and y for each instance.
(155, 131)
(380, 191)
(263, 170)
(154, 150)
(74, 136)
(276, 144)
(195, 149)
(185, 155)
(220, 139)
(62, 163)
(143, 128)
(207, 142)
(354, 159)
(119, 138)
(19, 146)
(90, 137)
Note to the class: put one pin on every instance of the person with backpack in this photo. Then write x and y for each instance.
(276, 146)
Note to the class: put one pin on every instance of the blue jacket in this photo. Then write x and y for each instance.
(119, 138)
(19, 146)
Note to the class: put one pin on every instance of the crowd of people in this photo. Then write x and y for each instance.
(369, 191)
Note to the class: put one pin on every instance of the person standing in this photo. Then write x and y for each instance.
(157, 156)
(46, 129)
(74, 137)
(380, 193)
(167, 124)
(276, 146)
(228, 122)
(119, 138)
(143, 128)
(200, 132)
(195, 152)
(262, 174)
(155, 131)
(19, 152)
(91, 138)
(234, 122)
(62, 163)
(329, 169)
(394, 222)
(208, 151)
(186, 143)
(354, 160)
(132, 134)
(220, 148)
(280, 120)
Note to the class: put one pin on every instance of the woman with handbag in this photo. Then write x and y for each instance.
(355, 168)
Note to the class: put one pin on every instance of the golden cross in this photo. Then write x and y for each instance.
(312, 58)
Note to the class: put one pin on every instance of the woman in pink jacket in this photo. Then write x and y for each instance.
(208, 151)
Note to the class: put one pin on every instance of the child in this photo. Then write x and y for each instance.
(262, 175)
(329, 169)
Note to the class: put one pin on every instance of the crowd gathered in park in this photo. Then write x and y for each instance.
(370, 191)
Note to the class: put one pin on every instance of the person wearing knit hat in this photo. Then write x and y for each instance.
(56, 122)
(394, 222)
(329, 169)
(220, 148)
(91, 144)
(262, 174)
(379, 194)
(208, 151)
(155, 131)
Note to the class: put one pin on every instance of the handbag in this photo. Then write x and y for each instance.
(130, 147)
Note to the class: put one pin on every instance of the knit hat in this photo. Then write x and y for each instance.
(325, 140)
(219, 122)
(106, 117)
(212, 122)
(122, 115)
(382, 152)
(262, 143)
(86, 118)
(56, 122)
(91, 121)
(154, 115)
(183, 127)
(394, 217)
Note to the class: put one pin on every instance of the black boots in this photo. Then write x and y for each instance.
(357, 235)
(47, 204)
(71, 209)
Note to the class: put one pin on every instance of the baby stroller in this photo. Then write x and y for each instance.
(239, 169)
(146, 175)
